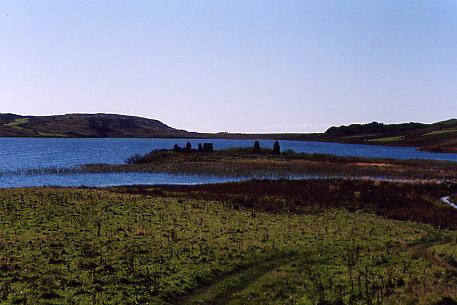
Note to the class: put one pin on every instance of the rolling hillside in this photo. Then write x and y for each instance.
(437, 137)
(86, 126)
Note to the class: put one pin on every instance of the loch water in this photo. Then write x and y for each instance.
(20, 154)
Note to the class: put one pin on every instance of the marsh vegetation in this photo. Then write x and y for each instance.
(174, 246)
(265, 163)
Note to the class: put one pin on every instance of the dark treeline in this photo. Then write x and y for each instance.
(373, 127)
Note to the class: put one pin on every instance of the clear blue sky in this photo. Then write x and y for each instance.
(238, 65)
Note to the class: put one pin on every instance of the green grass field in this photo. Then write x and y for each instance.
(96, 246)
(16, 124)
(387, 140)
(440, 132)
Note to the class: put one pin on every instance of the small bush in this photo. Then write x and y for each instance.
(176, 148)
(288, 152)
(208, 147)
(135, 159)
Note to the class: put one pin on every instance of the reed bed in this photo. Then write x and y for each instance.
(232, 163)
(418, 201)
(242, 162)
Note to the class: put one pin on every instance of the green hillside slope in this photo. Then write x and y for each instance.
(85, 126)
(438, 137)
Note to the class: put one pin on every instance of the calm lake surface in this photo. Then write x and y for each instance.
(29, 153)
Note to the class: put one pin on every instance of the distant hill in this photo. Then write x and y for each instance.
(437, 137)
(86, 126)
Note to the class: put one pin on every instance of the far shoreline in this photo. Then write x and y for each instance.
(440, 137)
(268, 137)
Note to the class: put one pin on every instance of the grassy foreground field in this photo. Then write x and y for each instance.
(108, 246)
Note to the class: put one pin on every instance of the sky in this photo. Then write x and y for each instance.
(232, 66)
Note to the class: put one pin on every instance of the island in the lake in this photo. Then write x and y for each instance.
(437, 137)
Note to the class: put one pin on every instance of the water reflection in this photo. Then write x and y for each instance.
(109, 179)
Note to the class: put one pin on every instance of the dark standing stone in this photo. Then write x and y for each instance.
(276, 148)
(256, 147)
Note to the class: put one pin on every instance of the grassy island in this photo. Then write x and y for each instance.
(243, 162)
